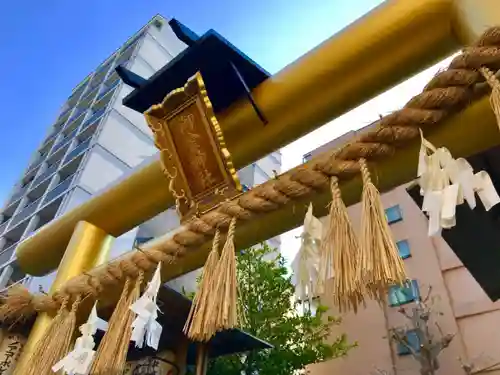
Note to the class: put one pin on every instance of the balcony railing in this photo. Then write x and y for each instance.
(58, 190)
(63, 142)
(101, 72)
(6, 254)
(48, 172)
(64, 113)
(50, 137)
(103, 69)
(59, 144)
(3, 226)
(95, 116)
(36, 163)
(18, 194)
(108, 89)
(26, 212)
(75, 117)
(78, 91)
(88, 125)
(131, 44)
(77, 150)
(96, 82)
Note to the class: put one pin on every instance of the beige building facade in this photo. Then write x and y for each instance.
(461, 306)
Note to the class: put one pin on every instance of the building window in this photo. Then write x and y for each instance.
(400, 295)
(404, 249)
(393, 214)
(142, 240)
(306, 157)
(412, 341)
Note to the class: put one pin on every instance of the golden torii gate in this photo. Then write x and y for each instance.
(390, 43)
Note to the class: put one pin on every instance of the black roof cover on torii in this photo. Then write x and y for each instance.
(228, 74)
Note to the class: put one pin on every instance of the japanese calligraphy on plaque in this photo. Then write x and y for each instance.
(150, 366)
(10, 350)
(192, 149)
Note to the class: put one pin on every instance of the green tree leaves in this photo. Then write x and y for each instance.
(299, 337)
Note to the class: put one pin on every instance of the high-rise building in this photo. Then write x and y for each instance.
(460, 305)
(95, 141)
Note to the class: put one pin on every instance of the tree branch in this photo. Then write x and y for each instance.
(400, 338)
(429, 291)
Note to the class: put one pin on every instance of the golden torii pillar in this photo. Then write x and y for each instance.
(395, 40)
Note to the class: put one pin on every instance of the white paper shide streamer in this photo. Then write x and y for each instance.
(446, 183)
(305, 265)
(145, 328)
(79, 361)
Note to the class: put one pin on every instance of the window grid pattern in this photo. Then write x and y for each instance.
(401, 295)
(412, 341)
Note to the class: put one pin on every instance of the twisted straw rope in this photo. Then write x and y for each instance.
(447, 93)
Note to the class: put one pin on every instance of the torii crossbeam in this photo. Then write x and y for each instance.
(392, 42)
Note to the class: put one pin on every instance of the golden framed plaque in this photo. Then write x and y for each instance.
(192, 149)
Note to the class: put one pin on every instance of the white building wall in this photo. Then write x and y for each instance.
(136, 118)
(159, 225)
(167, 39)
(154, 53)
(123, 243)
(77, 197)
(141, 68)
(124, 140)
(102, 168)
(269, 164)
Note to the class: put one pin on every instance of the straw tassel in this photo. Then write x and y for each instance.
(112, 352)
(56, 342)
(340, 254)
(226, 311)
(380, 265)
(495, 91)
(197, 327)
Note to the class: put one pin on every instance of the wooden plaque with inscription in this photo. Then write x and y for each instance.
(193, 152)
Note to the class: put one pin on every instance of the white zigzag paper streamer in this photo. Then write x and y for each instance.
(446, 183)
(79, 361)
(145, 328)
(305, 265)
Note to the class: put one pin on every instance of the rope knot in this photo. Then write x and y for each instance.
(129, 268)
(142, 259)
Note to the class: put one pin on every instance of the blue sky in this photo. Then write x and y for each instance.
(49, 46)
